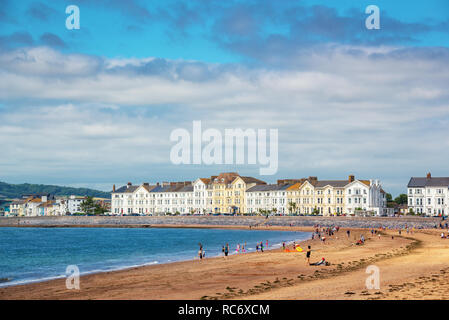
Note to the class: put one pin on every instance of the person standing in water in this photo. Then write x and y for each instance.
(226, 250)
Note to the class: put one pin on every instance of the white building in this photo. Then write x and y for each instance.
(267, 198)
(365, 195)
(428, 195)
(159, 199)
(202, 196)
(249, 195)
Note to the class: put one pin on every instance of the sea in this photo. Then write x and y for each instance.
(38, 254)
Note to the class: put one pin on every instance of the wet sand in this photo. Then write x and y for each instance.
(413, 266)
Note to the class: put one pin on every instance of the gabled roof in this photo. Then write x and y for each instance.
(332, 183)
(252, 180)
(46, 204)
(176, 188)
(268, 187)
(205, 180)
(16, 202)
(417, 182)
(225, 177)
(126, 189)
(148, 187)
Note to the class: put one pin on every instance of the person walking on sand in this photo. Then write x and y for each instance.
(223, 251)
(257, 247)
(261, 246)
(283, 245)
(308, 255)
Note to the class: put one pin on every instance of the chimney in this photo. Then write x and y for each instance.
(157, 184)
(351, 178)
(129, 185)
(113, 188)
(429, 175)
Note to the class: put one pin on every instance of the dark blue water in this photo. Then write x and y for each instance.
(36, 254)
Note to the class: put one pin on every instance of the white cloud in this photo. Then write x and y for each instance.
(376, 113)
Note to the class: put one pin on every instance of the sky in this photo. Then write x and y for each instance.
(95, 106)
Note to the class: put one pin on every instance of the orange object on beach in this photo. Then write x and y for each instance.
(297, 249)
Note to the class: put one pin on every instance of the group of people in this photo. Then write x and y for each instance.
(259, 245)
(321, 232)
(201, 252)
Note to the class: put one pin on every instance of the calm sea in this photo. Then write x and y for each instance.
(37, 254)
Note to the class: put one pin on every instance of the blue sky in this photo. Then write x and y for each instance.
(206, 30)
(96, 106)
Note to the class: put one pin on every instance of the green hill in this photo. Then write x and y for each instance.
(11, 191)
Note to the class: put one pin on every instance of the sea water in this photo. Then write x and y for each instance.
(38, 254)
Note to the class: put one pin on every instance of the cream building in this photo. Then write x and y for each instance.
(429, 195)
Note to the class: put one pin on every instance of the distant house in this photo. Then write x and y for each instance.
(429, 195)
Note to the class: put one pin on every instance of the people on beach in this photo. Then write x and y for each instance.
(226, 251)
(257, 247)
(323, 262)
(283, 245)
(309, 250)
(200, 251)
(223, 251)
(261, 246)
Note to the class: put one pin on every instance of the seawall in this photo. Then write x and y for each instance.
(179, 221)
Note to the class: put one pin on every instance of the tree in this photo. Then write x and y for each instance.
(99, 209)
(292, 207)
(389, 197)
(401, 199)
(88, 205)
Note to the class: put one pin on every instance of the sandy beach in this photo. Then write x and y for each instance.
(412, 266)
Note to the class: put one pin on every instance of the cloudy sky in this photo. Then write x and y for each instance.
(96, 106)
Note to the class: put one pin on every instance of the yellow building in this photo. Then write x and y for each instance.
(239, 187)
(229, 192)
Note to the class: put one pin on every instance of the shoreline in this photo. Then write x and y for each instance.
(274, 274)
(147, 264)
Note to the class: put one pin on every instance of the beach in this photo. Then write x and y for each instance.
(412, 266)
